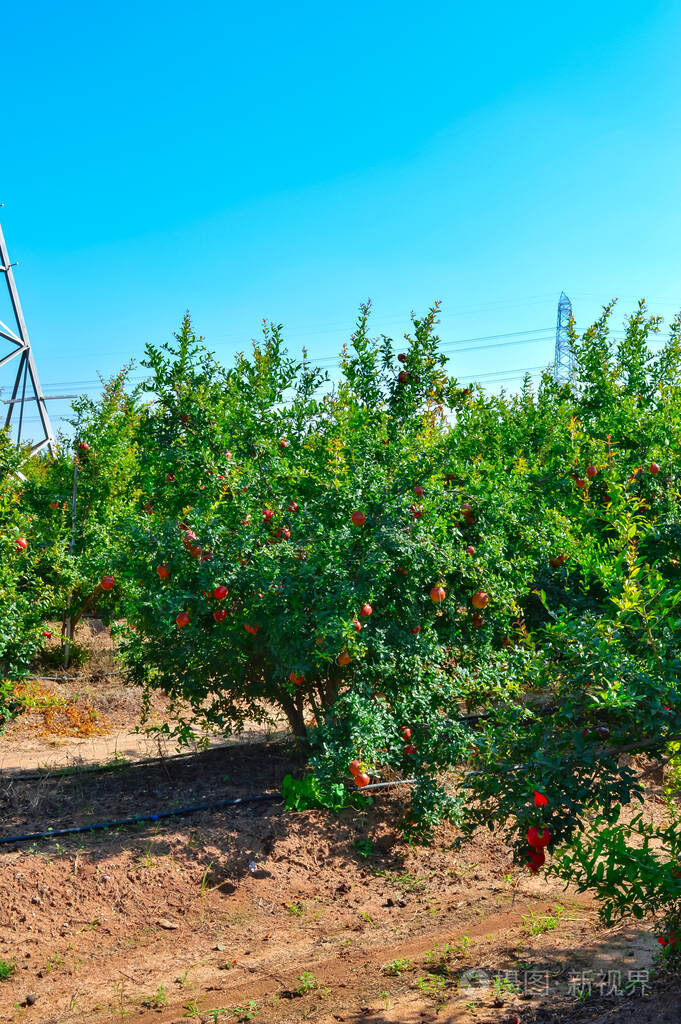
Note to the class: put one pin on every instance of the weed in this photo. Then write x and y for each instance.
(405, 881)
(302, 794)
(7, 969)
(158, 999)
(308, 983)
(396, 967)
(296, 909)
(505, 986)
(365, 848)
(440, 955)
(537, 925)
(216, 1013)
(433, 986)
(244, 1013)
(368, 918)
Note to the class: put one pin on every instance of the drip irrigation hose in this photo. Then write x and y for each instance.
(230, 802)
(51, 833)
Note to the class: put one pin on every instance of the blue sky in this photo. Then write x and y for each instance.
(289, 161)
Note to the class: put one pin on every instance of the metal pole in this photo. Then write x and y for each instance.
(21, 408)
(72, 542)
(21, 340)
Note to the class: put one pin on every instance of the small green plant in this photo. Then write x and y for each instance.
(216, 1012)
(394, 968)
(146, 856)
(244, 1013)
(405, 881)
(504, 986)
(7, 969)
(53, 961)
(440, 955)
(537, 924)
(308, 983)
(303, 794)
(158, 999)
(365, 848)
(295, 909)
(433, 986)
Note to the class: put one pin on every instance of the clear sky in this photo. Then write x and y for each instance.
(288, 161)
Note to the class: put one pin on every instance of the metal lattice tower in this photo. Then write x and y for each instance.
(564, 360)
(26, 382)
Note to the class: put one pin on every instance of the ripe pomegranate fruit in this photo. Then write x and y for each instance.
(365, 611)
(163, 573)
(219, 614)
(182, 620)
(591, 472)
(403, 376)
(296, 680)
(344, 658)
(536, 860)
(107, 582)
(418, 491)
(220, 592)
(480, 599)
(293, 506)
(21, 543)
(538, 839)
(437, 595)
(358, 518)
(470, 550)
(654, 468)
(362, 780)
(355, 768)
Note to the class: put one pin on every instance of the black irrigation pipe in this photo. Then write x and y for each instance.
(51, 833)
(193, 809)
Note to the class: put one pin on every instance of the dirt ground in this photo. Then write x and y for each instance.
(246, 913)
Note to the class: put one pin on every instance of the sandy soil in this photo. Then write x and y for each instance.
(248, 913)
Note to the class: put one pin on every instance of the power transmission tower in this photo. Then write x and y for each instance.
(26, 382)
(564, 360)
